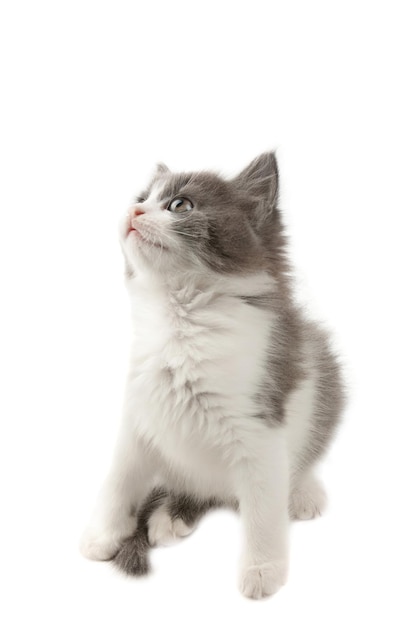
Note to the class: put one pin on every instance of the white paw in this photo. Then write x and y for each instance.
(103, 545)
(260, 581)
(98, 547)
(308, 500)
(163, 530)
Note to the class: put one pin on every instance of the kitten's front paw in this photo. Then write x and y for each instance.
(103, 545)
(163, 530)
(98, 548)
(259, 581)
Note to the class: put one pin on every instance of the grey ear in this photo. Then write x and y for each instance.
(161, 169)
(260, 179)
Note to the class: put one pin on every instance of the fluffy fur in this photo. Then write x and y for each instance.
(232, 396)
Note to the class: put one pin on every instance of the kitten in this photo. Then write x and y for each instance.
(232, 395)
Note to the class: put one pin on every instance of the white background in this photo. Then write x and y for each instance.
(93, 94)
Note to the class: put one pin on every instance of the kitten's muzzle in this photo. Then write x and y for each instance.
(132, 217)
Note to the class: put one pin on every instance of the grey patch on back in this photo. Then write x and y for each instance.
(283, 366)
(330, 395)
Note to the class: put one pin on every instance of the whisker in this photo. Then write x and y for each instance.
(180, 232)
(185, 219)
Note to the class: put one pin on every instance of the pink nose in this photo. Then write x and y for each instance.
(137, 212)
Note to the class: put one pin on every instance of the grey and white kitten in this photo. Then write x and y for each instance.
(232, 395)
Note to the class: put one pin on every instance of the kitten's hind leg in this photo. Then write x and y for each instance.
(176, 518)
(307, 497)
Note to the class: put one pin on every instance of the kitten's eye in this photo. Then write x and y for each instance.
(180, 205)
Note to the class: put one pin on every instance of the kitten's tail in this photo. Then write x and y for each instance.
(133, 556)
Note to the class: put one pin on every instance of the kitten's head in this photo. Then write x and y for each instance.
(199, 220)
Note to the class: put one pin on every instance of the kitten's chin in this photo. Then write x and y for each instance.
(149, 253)
(144, 244)
(146, 255)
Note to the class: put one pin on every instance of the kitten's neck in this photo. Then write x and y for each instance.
(186, 286)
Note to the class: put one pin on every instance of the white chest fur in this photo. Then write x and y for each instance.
(197, 360)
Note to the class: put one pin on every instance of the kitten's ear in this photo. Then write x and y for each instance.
(260, 179)
(161, 169)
